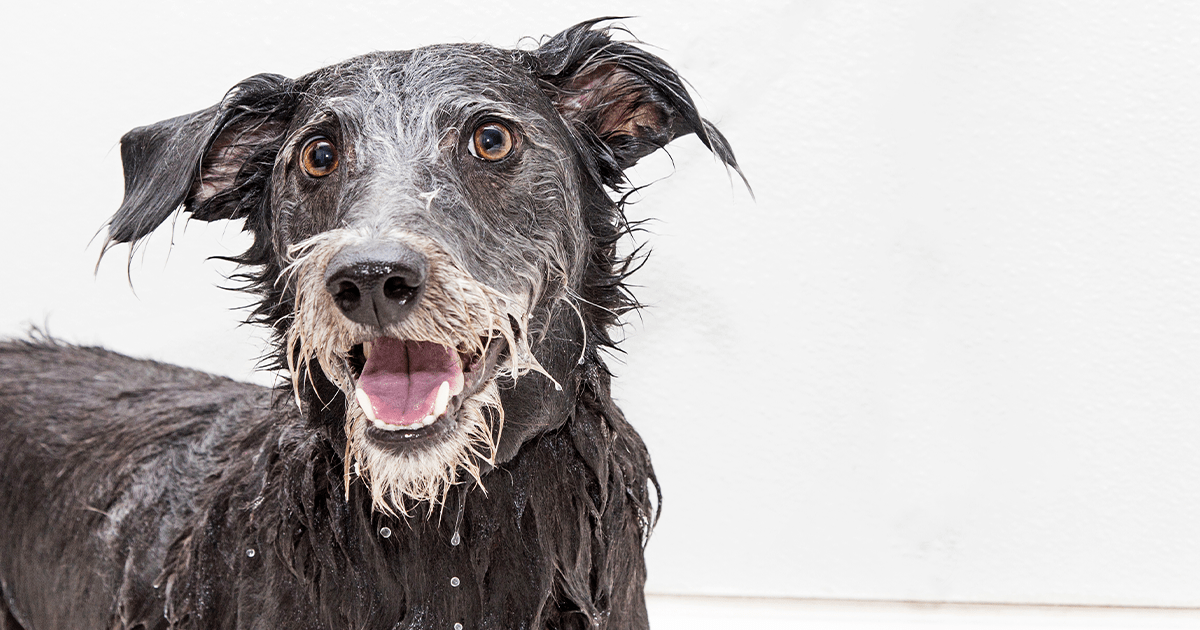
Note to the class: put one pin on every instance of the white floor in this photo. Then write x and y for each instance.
(673, 612)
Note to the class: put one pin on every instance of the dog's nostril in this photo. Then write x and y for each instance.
(397, 289)
(347, 293)
(376, 283)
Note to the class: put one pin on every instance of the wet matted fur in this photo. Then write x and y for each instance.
(140, 495)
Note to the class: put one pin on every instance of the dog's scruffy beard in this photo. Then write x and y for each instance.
(455, 311)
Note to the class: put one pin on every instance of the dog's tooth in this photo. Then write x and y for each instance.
(366, 349)
(364, 401)
(443, 399)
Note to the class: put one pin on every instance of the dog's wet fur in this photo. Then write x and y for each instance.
(135, 494)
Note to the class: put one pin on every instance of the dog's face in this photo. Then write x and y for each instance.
(431, 231)
(426, 216)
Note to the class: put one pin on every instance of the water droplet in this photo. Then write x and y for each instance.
(249, 553)
(458, 626)
(454, 540)
(386, 532)
(557, 387)
(454, 581)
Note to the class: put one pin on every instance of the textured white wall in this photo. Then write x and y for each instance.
(951, 353)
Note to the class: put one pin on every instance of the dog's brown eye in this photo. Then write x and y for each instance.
(492, 141)
(319, 157)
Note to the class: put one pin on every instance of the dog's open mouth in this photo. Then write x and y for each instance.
(408, 389)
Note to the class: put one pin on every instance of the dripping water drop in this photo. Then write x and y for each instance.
(454, 540)
(386, 532)
(250, 553)
(454, 581)
(458, 626)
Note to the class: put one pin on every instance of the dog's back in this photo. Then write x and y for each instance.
(101, 461)
(135, 494)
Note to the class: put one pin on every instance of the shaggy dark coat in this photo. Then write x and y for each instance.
(135, 494)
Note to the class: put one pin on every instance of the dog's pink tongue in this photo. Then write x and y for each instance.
(402, 378)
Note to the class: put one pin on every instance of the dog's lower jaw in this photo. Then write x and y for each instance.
(402, 467)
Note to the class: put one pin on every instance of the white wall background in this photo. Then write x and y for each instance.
(952, 353)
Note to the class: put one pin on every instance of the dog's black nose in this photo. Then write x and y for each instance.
(376, 283)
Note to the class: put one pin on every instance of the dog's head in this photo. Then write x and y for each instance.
(430, 225)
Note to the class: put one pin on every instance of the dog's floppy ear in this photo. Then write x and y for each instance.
(628, 99)
(214, 163)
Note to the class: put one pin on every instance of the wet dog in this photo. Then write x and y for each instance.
(435, 248)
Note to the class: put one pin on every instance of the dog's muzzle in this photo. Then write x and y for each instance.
(416, 344)
(403, 385)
